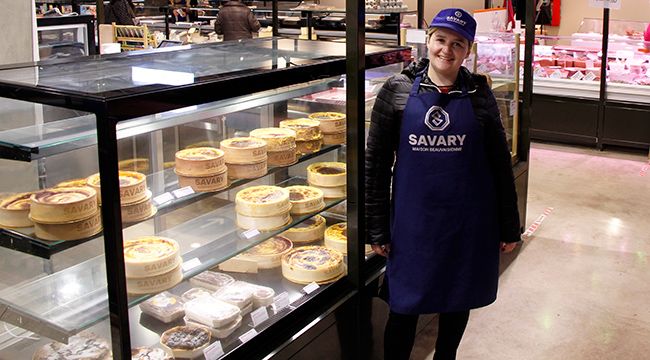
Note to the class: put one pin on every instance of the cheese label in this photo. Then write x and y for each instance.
(248, 335)
(250, 233)
(589, 77)
(310, 288)
(214, 351)
(191, 264)
(578, 76)
(182, 192)
(259, 316)
(163, 198)
(280, 301)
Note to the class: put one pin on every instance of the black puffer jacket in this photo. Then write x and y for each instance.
(383, 140)
(236, 21)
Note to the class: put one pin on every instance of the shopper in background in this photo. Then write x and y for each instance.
(436, 133)
(121, 12)
(236, 21)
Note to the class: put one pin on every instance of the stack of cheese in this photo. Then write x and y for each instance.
(336, 237)
(220, 317)
(245, 157)
(14, 211)
(280, 145)
(263, 207)
(308, 264)
(308, 135)
(305, 199)
(268, 254)
(65, 213)
(135, 198)
(152, 264)
(308, 231)
(332, 125)
(329, 177)
(202, 168)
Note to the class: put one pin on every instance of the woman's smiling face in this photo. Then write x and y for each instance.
(447, 50)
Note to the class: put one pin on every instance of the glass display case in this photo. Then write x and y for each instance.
(209, 221)
(67, 36)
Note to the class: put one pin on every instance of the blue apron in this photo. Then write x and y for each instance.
(445, 242)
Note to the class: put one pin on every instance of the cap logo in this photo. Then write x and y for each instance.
(458, 14)
(436, 119)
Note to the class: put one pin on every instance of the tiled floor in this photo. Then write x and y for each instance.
(579, 288)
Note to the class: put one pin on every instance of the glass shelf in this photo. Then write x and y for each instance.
(23, 239)
(71, 300)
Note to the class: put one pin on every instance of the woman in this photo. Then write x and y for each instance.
(121, 12)
(453, 202)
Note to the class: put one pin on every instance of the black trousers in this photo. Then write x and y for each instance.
(399, 335)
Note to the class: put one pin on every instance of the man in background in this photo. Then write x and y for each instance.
(236, 21)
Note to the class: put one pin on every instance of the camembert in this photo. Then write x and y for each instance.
(14, 210)
(262, 201)
(305, 199)
(308, 264)
(74, 230)
(149, 256)
(325, 174)
(268, 254)
(277, 139)
(61, 205)
(336, 237)
(244, 150)
(202, 161)
(308, 231)
(133, 186)
(330, 122)
(306, 129)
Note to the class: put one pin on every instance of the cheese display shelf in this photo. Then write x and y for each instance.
(145, 126)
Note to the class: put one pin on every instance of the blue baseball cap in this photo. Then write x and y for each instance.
(457, 20)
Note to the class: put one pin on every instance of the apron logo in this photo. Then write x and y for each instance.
(436, 119)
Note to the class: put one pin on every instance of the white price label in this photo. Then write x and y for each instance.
(259, 316)
(163, 198)
(191, 264)
(557, 74)
(539, 72)
(611, 4)
(280, 301)
(310, 288)
(248, 335)
(214, 351)
(182, 192)
(589, 77)
(250, 233)
(578, 76)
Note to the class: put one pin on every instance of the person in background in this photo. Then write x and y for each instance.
(236, 21)
(436, 135)
(121, 12)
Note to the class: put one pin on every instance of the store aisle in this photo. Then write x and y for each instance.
(580, 287)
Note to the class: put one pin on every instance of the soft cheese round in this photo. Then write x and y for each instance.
(332, 192)
(14, 210)
(277, 139)
(305, 199)
(150, 255)
(308, 231)
(269, 253)
(206, 183)
(334, 138)
(138, 211)
(262, 200)
(263, 223)
(309, 147)
(308, 264)
(324, 174)
(154, 284)
(85, 345)
(244, 150)
(60, 205)
(247, 171)
(187, 341)
(201, 161)
(74, 230)
(306, 129)
(133, 186)
(283, 158)
(330, 122)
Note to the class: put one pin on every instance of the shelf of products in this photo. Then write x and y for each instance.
(171, 130)
(65, 36)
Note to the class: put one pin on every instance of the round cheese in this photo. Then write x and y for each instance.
(268, 254)
(149, 256)
(74, 230)
(244, 150)
(186, 342)
(138, 211)
(332, 192)
(136, 164)
(133, 186)
(73, 183)
(310, 146)
(205, 183)
(305, 199)
(61, 205)
(277, 139)
(336, 237)
(308, 231)
(334, 138)
(263, 223)
(247, 171)
(283, 158)
(154, 284)
(262, 200)
(14, 210)
(306, 129)
(324, 174)
(85, 345)
(308, 264)
(202, 161)
(330, 122)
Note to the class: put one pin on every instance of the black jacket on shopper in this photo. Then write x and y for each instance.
(236, 21)
(383, 140)
(120, 12)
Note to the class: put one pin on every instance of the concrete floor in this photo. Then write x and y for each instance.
(579, 287)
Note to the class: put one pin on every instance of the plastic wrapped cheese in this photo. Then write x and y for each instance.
(262, 295)
(210, 311)
(222, 332)
(236, 294)
(212, 280)
(194, 293)
(165, 307)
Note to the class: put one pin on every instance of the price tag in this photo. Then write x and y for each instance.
(248, 335)
(589, 77)
(557, 74)
(182, 192)
(163, 198)
(310, 288)
(250, 233)
(214, 351)
(280, 301)
(539, 72)
(578, 76)
(259, 316)
(191, 264)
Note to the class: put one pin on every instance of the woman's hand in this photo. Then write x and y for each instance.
(382, 250)
(507, 247)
